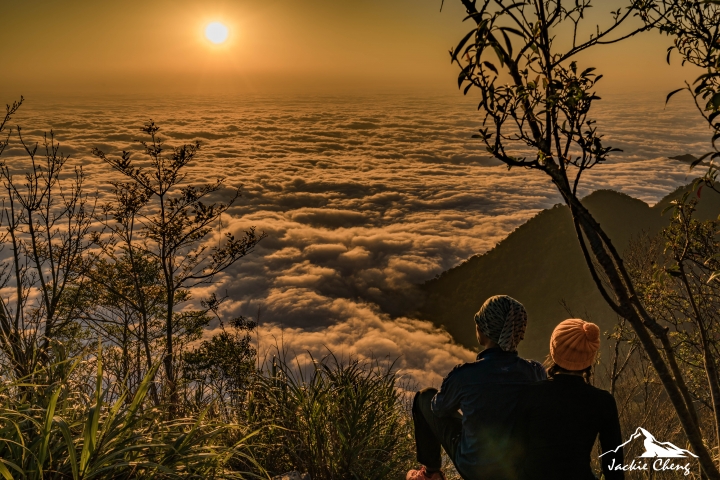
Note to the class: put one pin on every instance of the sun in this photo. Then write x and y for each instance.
(216, 32)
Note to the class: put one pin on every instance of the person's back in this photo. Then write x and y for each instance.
(473, 413)
(560, 418)
(486, 392)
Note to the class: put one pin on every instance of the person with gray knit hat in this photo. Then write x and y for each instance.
(472, 416)
(503, 320)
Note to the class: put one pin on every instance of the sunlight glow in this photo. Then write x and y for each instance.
(216, 32)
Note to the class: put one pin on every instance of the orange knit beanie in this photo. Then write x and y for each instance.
(574, 344)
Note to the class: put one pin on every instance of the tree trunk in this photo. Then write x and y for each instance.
(148, 360)
(168, 360)
(626, 306)
(708, 359)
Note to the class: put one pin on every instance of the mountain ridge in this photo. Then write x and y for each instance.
(540, 264)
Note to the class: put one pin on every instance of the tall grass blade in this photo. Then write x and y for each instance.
(93, 419)
(4, 471)
(47, 427)
(68, 437)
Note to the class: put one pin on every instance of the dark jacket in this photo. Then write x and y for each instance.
(560, 419)
(486, 392)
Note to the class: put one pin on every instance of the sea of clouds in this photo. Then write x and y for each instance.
(361, 198)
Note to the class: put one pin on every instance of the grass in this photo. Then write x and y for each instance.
(53, 432)
(332, 420)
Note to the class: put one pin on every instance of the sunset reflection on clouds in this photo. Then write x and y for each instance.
(362, 198)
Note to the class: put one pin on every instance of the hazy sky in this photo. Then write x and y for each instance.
(131, 46)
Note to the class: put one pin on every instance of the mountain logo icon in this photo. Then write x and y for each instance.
(654, 448)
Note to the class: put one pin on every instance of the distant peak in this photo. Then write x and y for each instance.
(685, 158)
(607, 192)
(611, 198)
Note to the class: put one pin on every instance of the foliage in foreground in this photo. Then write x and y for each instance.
(332, 420)
(161, 402)
(335, 420)
(56, 431)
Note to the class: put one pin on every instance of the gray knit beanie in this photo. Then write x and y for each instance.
(503, 320)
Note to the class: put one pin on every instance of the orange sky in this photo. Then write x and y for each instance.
(133, 46)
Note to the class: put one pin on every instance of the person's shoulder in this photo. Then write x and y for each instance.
(597, 396)
(531, 392)
(460, 368)
(534, 364)
(601, 394)
(536, 367)
(539, 385)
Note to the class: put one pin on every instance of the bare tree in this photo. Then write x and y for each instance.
(671, 273)
(127, 311)
(47, 220)
(173, 224)
(695, 27)
(536, 105)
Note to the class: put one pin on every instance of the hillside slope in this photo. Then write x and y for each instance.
(541, 265)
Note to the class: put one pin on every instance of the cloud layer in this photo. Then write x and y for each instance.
(362, 198)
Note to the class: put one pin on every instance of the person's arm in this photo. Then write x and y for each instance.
(446, 402)
(610, 438)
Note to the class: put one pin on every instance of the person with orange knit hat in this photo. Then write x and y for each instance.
(560, 418)
(574, 344)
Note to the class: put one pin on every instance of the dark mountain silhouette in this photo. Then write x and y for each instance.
(685, 158)
(651, 447)
(541, 264)
(689, 159)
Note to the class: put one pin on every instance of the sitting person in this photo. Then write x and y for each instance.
(472, 415)
(560, 418)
